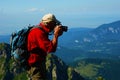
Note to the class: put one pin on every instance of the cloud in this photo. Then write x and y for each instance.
(42, 10)
(35, 10)
(32, 10)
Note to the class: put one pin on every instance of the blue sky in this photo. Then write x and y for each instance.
(16, 14)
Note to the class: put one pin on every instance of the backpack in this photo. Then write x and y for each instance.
(19, 50)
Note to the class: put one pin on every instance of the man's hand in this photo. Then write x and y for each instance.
(58, 31)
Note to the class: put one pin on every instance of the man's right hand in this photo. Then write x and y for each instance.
(58, 31)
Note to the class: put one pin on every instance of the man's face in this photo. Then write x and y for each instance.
(51, 25)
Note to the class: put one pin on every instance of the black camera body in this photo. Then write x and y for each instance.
(64, 28)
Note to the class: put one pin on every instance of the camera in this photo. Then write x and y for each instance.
(64, 28)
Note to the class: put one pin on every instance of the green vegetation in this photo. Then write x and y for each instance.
(2, 46)
(69, 71)
(100, 78)
(98, 69)
(88, 70)
(2, 68)
(21, 76)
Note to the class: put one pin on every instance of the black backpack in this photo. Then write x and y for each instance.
(19, 50)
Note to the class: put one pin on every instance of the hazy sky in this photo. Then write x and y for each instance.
(16, 14)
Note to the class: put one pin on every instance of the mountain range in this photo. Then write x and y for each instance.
(100, 42)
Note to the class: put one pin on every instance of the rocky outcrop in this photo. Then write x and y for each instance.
(5, 57)
(58, 70)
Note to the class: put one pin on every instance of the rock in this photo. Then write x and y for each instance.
(58, 70)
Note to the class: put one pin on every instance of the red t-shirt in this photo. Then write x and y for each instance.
(38, 39)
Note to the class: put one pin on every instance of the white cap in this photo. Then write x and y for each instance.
(49, 17)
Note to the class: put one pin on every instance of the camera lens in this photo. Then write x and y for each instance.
(64, 28)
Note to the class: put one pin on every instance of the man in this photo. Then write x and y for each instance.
(39, 45)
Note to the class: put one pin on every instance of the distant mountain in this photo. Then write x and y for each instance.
(73, 36)
(101, 42)
(104, 39)
(108, 32)
(71, 55)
